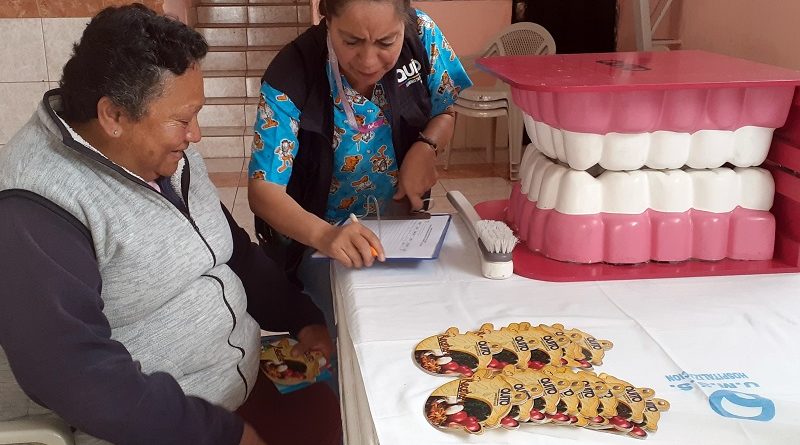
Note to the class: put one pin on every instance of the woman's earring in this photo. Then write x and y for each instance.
(115, 132)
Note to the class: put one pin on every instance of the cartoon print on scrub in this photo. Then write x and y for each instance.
(424, 22)
(355, 97)
(360, 137)
(334, 185)
(434, 56)
(379, 99)
(446, 45)
(284, 152)
(350, 163)
(370, 207)
(346, 203)
(362, 184)
(294, 126)
(338, 132)
(354, 149)
(447, 87)
(381, 162)
(259, 174)
(392, 176)
(267, 115)
(281, 97)
(258, 143)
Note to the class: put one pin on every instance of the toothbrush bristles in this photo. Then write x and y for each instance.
(496, 236)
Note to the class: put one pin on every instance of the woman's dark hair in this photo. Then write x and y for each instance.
(332, 8)
(123, 54)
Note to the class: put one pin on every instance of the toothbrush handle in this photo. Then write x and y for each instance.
(465, 209)
(494, 266)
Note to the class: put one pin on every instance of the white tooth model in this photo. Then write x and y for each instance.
(744, 147)
(636, 216)
(641, 156)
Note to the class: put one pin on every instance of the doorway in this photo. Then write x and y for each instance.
(578, 26)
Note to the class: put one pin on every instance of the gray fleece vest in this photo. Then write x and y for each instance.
(169, 296)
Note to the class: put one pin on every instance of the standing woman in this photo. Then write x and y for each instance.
(318, 155)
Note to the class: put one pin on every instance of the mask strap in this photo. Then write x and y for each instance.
(334, 64)
(377, 211)
(430, 205)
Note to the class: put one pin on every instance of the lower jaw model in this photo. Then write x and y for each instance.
(626, 217)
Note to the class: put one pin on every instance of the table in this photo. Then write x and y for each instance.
(690, 339)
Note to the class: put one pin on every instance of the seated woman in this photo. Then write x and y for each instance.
(130, 296)
(354, 108)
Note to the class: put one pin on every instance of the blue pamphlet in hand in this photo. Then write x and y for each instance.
(290, 373)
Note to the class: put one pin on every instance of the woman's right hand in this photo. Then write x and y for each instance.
(351, 244)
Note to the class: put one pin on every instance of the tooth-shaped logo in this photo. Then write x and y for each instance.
(739, 405)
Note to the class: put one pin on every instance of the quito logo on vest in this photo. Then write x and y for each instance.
(409, 73)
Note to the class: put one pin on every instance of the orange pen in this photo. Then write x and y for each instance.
(354, 219)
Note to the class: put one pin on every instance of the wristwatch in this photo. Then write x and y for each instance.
(430, 142)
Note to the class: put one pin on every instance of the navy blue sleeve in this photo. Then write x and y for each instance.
(272, 300)
(58, 344)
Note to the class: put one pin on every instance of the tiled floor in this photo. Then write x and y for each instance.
(478, 182)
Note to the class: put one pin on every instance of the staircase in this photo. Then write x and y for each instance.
(243, 37)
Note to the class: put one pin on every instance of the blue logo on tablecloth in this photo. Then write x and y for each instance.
(725, 400)
(740, 405)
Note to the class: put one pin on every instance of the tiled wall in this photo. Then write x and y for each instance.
(33, 52)
(63, 8)
(35, 49)
(37, 41)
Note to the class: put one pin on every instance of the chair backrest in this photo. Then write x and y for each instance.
(522, 39)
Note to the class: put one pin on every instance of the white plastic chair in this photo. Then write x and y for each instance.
(523, 38)
(44, 430)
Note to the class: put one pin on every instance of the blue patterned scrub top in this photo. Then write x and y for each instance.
(364, 163)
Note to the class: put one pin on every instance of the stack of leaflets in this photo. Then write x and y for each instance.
(533, 375)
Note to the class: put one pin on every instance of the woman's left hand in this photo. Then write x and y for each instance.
(313, 337)
(417, 174)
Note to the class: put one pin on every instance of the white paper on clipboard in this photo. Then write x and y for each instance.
(408, 239)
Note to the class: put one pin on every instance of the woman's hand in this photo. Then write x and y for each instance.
(313, 337)
(351, 244)
(417, 174)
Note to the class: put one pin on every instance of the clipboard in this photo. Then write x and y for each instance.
(401, 209)
(409, 238)
(412, 215)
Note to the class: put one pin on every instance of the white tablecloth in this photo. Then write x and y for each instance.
(690, 339)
